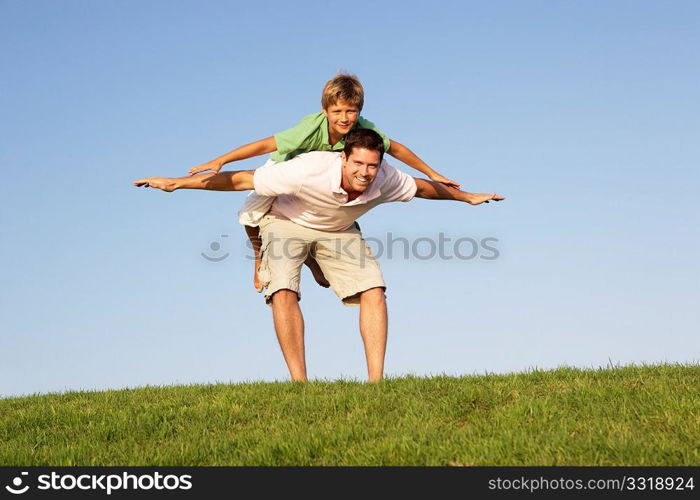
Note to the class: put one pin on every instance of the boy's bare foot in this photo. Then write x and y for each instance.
(317, 272)
(253, 233)
(256, 280)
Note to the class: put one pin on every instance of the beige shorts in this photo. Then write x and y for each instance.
(345, 258)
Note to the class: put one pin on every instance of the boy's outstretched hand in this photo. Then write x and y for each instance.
(210, 165)
(441, 178)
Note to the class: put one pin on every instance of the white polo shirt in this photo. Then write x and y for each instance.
(308, 190)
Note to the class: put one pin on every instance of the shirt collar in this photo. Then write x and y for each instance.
(337, 176)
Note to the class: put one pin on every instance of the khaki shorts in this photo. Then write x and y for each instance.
(345, 258)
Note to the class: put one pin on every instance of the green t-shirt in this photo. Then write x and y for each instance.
(311, 134)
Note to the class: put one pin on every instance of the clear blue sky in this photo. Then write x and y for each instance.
(584, 114)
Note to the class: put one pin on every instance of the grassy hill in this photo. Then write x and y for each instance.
(636, 415)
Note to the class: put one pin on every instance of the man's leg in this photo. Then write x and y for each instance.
(373, 328)
(351, 268)
(289, 326)
(284, 249)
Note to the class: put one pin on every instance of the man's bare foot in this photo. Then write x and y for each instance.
(315, 269)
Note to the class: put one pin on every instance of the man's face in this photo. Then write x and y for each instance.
(342, 117)
(359, 169)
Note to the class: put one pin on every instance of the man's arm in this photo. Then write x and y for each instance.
(438, 191)
(402, 153)
(237, 180)
(257, 148)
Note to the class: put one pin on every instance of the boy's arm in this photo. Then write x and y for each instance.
(402, 153)
(237, 180)
(437, 191)
(257, 148)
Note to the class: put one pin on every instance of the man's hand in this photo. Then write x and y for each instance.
(432, 190)
(234, 180)
(213, 165)
(444, 180)
(164, 183)
(479, 198)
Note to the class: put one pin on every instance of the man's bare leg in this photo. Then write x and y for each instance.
(289, 326)
(373, 328)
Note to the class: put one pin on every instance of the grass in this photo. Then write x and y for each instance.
(634, 415)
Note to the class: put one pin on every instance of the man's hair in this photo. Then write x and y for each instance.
(366, 139)
(343, 86)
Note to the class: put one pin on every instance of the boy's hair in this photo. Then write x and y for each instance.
(343, 86)
(366, 139)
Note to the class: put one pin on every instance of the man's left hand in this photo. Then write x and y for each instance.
(163, 183)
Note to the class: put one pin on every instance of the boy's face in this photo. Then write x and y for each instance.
(342, 117)
(359, 169)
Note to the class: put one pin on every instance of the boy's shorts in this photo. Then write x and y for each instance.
(344, 257)
(255, 206)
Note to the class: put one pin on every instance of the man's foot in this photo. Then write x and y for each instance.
(317, 272)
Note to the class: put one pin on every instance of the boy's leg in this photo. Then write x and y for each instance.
(253, 233)
(373, 328)
(289, 326)
(250, 215)
(317, 272)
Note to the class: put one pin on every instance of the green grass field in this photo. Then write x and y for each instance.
(635, 415)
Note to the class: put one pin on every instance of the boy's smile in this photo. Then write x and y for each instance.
(342, 117)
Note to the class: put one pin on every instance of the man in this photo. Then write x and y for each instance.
(319, 197)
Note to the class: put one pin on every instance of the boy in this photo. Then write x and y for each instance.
(341, 102)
